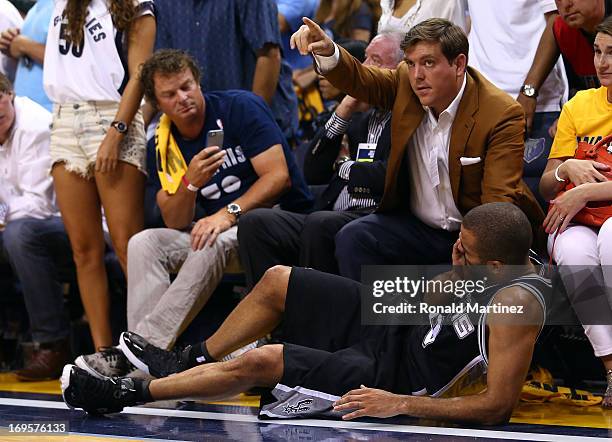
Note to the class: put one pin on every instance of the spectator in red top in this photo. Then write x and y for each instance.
(572, 35)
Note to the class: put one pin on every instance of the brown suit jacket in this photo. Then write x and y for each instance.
(489, 124)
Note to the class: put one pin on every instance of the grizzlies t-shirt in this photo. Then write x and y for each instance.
(249, 129)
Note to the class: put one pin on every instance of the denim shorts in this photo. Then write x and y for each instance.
(78, 130)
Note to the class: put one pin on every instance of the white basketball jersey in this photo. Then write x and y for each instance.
(96, 69)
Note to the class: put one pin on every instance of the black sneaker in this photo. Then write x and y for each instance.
(110, 362)
(151, 359)
(96, 396)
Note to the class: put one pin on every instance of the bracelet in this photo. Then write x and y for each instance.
(557, 177)
(187, 184)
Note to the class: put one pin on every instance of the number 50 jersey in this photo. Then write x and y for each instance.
(94, 70)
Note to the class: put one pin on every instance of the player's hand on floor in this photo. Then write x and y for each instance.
(369, 402)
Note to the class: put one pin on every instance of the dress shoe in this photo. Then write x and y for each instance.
(46, 362)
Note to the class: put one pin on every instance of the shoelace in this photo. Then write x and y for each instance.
(110, 354)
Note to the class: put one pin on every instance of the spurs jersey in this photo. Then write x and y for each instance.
(451, 359)
(94, 70)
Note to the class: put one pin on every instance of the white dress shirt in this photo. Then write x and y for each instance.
(431, 196)
(25, 184)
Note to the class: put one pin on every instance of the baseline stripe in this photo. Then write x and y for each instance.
(462, 432)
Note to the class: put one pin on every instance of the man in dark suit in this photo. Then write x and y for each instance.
(268, 237)
(456, 143)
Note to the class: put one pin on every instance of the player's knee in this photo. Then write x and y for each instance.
(274, 285)
(260, 363)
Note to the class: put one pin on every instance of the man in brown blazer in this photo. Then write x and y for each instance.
(456, 142)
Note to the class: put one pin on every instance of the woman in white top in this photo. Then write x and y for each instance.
(92, 59)
(401, 15)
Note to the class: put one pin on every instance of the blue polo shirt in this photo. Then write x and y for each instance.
(249, 129)
(224, 37)
(29, 76)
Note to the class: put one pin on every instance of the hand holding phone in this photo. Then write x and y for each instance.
(214, 138)
(204, 165)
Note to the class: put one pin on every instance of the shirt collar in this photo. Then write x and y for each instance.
(450, 112)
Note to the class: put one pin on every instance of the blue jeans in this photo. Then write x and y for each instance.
(537, 148)
(39, 253)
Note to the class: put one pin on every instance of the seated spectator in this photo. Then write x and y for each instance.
(329, 358)
(349, 19)
(456, 142)
(571, 33)
(401, 15)
(27, 47)
(503, 53)
(239, 43)
(9, 18)
(586, 117)
(33, 236)
(252, 168)
(268, 236)
(317, 98)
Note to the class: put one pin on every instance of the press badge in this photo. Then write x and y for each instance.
(365, 152)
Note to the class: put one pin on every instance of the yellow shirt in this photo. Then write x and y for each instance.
(586, 117)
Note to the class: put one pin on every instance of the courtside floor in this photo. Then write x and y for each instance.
(41, 402)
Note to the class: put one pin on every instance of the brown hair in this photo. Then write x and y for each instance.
(605, 26)
(5, 84)
(345, 10)
(502, 230)
(452, 39)
(122, 11)
(166, 62)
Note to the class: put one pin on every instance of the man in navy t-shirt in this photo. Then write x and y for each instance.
(201, 193)
(248, 130)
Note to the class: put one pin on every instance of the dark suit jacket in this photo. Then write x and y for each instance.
(366, 180)
(489, 124)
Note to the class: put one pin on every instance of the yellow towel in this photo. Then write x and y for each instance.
(537, 392)
(171, 165)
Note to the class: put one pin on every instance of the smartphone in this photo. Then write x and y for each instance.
(215, 138)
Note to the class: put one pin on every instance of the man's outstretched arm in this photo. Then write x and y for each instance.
(511, 342)
(369, 84)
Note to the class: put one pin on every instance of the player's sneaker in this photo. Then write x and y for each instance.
(94, 395)
(161, 363)
(110, 362)
(151, 359)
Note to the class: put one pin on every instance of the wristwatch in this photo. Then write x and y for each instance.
(120, 126)
(529, 90)
(234, 209)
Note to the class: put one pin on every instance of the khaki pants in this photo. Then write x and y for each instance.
(160, 310)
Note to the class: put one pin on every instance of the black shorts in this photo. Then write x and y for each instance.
(327, 351)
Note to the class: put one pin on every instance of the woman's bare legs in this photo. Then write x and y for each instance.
(122, 196)
(79, 204)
